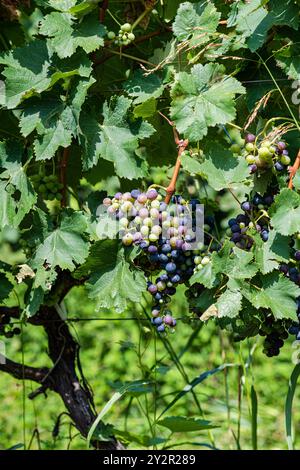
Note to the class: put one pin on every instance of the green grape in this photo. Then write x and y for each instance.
(42, 188)
(126, 27)
(51, 197)
(111, 35)
(131, 37)
(58, 196)
(250, 147)
(235, 148)
(50, 186)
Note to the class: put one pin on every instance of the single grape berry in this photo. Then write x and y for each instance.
(250, 138)
(246, 206)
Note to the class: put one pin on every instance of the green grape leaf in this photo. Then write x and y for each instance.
(206, 276)
(229, 304)
(222, 169)
(142, 88)
(14, 179)
(64, 246)
(26, 72)
(196, 22)
(288, 58)
(285, 212)
(120, 139)
(253, 20)
(269, 254)
(46, 145)
(276, 293)
(113, 282)
(203, 98)
(191, 164)
(66, 35)
(6, 287)
(234, 262)
(146, 109)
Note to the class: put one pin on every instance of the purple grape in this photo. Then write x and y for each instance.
(164, 277)
(155, 312)
(171, 267)
(152, 289)
(161, 328)
(231, 222)
(135, 193)
(157, 321)
(285, 152)
(250, 138)
(253, 168)
(152, 249)
(163, 258)
(166, 248)
(152, 194)
(268, 200)
(281, 145)
(246, 206)
(168, 320)
(236, 237)
(175, 279)
(279, 166)
(284, 268)
(297, 255)
(264, 235)
(235, 228)
(118, 196)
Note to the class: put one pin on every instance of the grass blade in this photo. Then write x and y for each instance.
(254, 417)
(289, 405)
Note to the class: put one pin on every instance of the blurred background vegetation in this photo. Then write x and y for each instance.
(121, 350)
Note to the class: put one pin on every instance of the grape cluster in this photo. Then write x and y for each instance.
(165, 234)
(254, 219)
(6, 329)
(292, 271)
(276, 332)
(265, 154)
(48, 186)
(125, 35)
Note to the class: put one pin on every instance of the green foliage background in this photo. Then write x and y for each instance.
(77, 106)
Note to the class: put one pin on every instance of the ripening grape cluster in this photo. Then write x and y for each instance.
(6, 329)
(254, 219)
(165, 235)
(265, 154)
(48, 187)
(124, 37)
(292, 271)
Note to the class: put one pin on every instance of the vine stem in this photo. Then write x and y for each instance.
(102, 10)
(181, 145)
(293, 170)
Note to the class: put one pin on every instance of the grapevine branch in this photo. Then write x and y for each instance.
(20, 371)
(102, 10)
(293, 170)
(181, 145)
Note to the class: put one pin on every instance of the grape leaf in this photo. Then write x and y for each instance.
(269, 254)
(65, 246)
(222, 169)
(191, 164)
(288, 58)
(229, 304)
(120, 139)
(253, 20)
(112, 281)
(27, 72)
(276, 293)
(5, 287)
(285, 212)
(234, 262)
(196, 22)
(143, 88)
(66, 35)
(206, 276)
(11, 212)
(203, 98)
